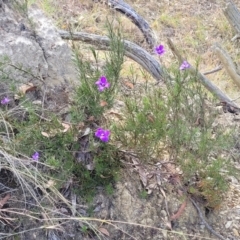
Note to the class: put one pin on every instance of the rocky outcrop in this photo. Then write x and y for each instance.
(31, 49)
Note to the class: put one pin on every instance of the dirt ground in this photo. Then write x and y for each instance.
(194, 26)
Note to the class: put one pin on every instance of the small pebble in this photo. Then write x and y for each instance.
(228, 224)
(235, 232)
(163, 213)
(165, 234)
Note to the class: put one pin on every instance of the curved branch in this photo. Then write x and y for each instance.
(139, 21)
(132, 51)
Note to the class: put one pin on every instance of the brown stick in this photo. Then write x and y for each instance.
(205, 222)
(213, 71)
(228, 63)
(132, 50)
(233, 16)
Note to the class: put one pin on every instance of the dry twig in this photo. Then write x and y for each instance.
(218, 68)
(205, 222)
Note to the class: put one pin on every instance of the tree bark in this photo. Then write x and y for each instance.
(139, 21)
(233, 16)
(228, 63)
(132, 50)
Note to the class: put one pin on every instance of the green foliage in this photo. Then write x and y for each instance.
(179, 119)
(145, 125)
(143, 194)
(175, 119)
(88, 98)
(58, 149)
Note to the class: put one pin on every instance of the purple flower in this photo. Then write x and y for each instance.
(102, 83)
(160, 50)
(102, 134)
(35, 156)
(184, 65)
(5, 101)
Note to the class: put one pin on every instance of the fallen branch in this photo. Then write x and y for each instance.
(139, 21)
(228, 63)
(213, 71)
(233, 16)
(210, 229)
(132, 50)
(206, 83)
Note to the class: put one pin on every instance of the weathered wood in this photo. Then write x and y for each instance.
(139, 21)
(233, 16)
(132, 50)
(229, 65)
(147, 61)
(206, 83)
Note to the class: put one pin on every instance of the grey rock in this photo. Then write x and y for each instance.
(228, 224)
(31, 48)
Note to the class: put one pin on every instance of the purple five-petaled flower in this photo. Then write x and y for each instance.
(184, 65)
(102, 83)
(5, 101)
(102, 134)
(35, 156)
(160, 50)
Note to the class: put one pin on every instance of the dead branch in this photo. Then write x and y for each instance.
(132, 50)
(233, 16)
(228, 63)
(139, 21)
(205, 222)
(206, 83)
(218, 68)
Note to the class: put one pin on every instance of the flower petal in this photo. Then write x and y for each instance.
(184, 65)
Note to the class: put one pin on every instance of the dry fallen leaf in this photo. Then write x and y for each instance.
(91, 118)
(51, 133)
(66, 127)
(4, 200)
(143, 176)
(116, 114)
(180, 211)
(168, 225)
(26, 88)
(49, 184)
(104, 231)
(150, 118)
(103, 103)
(45, 134)
(129, 84)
